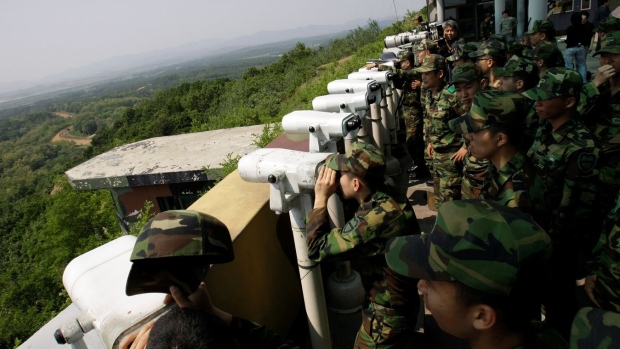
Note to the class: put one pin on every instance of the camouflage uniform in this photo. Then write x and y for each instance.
(566, 198)
(461, 55)
(412, 112)
(518, 66)
(441, 108)
(600, 112)
(488, 247)
(497, 50)
(510, 184)
(606, 266)
(392, 310)
(595, 328)
(486, 29)
(546, 26)
(474, 170)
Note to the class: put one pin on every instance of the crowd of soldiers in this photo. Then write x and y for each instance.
(509, 124)
(525, 162)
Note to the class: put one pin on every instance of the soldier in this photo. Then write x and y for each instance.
(491, 54)
(606, 26)
(391, 313)
(542, 30)
(603, 282)
(508, 27)
(468, 80)
(514, 49)
(546, 56)
(481, 271)
(445, 148)
(518, 76)
(462, 54)
(494, 126)
(595, 328)
(566, 202)
(172, 254)
(600, 112)
(413, 113)
(486, 27)
(425, 47)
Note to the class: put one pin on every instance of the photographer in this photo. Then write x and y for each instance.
(451, 38)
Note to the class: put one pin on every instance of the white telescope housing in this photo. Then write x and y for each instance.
(324, 128)
(382, 77)
(95, 281)
(353, 86)
(289, 172)
(347, 101)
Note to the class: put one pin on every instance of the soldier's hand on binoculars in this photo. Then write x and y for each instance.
(325, 186)
(139, 339)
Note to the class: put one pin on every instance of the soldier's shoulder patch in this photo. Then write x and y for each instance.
(451, 89)
(586, 162)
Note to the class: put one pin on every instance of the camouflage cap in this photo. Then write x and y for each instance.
(517, 65)
(541, 26)
(490, 108)
(176, 248)
(610, 44)
(462, 50)
(466, 72)
(497, 37)
(425, 44)
(431, 62)
(363, 160)
(608, 24)
(515, 48)
(595, 328)
(546, 51)
(493, 48)
(482, 244)
(407, 56)
(556, 82)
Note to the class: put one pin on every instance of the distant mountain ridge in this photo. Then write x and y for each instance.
(134, 63)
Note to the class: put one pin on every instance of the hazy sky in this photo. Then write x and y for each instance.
(42, 37)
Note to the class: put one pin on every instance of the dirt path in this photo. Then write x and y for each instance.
(63, 114)
(64, 135)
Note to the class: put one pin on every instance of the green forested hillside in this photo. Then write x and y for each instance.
(44, 223)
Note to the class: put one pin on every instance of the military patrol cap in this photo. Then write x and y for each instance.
(556, 82)
(517, 65)
(407, 56)
(462, 50)
(176, 248)
(515, 48)
(608, 24)
(466, 72)
(610, 44)
(497, 37)
(493, 48)
(426, 44)
(541, 26)
(546, 51)
(482, 244)
(431, 62)
(490, 108)
(595, 328)
(363, 160)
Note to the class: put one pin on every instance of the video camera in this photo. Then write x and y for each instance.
(433, 31)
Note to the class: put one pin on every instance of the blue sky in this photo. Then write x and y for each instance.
(43, 37)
